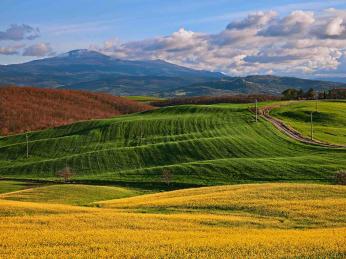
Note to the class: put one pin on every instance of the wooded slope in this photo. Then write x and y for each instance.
(27, 108)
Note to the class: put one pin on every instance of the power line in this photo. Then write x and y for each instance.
(312, 128)
(256, 110)
(27, 145)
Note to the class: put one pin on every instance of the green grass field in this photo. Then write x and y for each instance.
(142, 98)
(74, 194)
(329, 119)
(13, 186)
(199, 145)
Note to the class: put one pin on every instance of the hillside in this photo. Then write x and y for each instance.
(27, 108)
(93, 71)
(197, 145)
(257, 84)
(292, 202)
(143, 184)
(239, 221)
(73, 194)
(329, 120)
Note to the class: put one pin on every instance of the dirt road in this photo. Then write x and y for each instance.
(264, 112)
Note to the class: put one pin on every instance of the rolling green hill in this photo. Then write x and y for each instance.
(197, 145)
(329, 119)
(13, 186)
(74, 194)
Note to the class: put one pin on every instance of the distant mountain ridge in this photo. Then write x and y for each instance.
(88, 61)
(93, 71)
(256, 84)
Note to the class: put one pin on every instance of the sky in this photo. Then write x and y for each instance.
(236, 37)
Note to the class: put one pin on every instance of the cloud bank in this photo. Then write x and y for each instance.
(24, 33)
(38, 50)
(20, 32)
(300, 43)
(11, 50)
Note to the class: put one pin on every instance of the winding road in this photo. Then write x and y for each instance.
(264, 112)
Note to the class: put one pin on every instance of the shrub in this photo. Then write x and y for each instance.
(167, 176)
(66, 174)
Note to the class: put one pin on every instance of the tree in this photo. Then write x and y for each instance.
(167, 176)
(340, 177)
(337, 94)
(310, 94)
(290, 94)
(322, 95)
(66, 173)
(300, 94)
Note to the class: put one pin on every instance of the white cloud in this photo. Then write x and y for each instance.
(335, 27)
(253, 20)
(38, 50)
(295, 23)
(11, 50)
(263, 42)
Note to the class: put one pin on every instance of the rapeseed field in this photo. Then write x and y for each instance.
(201, 222)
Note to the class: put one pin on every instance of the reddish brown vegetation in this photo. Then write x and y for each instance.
(66, 174)
(340, 177)
(216, 99)
(27, 108)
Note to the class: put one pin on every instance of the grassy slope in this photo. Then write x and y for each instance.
(242, 221)
(12, 186)
(201, 145)
(70, 194)
(284, 205)
(329, 120)
(142, 98)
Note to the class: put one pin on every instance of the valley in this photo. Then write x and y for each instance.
(176, 181)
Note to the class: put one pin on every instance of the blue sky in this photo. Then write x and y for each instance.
(65, 25)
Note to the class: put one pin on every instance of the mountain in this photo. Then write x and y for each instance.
(82, 68)
(333, 79)
(255, 84)
(93, 71)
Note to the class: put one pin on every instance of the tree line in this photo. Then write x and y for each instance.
(311, 94)
(216, 99)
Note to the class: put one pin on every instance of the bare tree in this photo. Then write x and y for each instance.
(340, 177)
(167, 176)
(66, 173)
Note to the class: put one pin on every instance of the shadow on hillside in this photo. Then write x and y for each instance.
(150, 186)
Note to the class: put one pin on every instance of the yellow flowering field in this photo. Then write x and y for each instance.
(240, 221)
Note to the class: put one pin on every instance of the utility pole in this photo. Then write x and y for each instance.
(256, 110)
(312, 129)
(27, 145)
